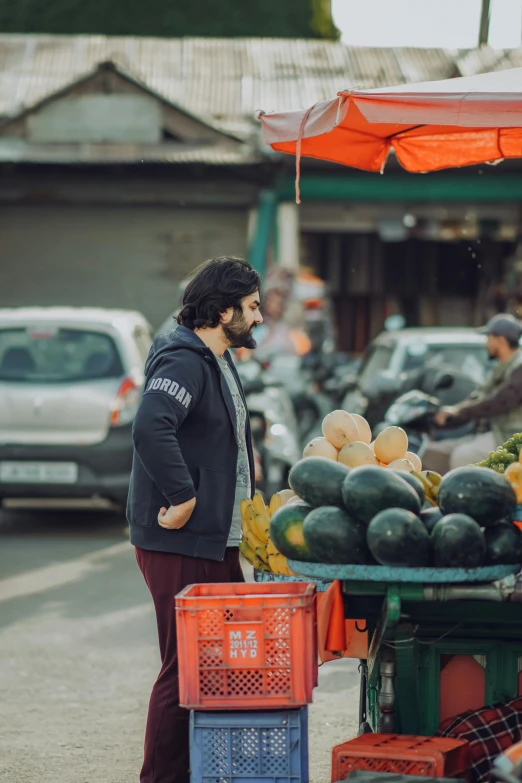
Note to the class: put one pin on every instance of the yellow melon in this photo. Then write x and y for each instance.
(363, 428)
(294, 500)
(391, 444)
(401, 464)
(320, 447)
(372, 446)
(339, 428)
(286, 495)
(415, 461)
(357, 453)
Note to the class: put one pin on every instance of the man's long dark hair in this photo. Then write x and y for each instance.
(217, 285)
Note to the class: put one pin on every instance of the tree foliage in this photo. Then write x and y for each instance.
(171, 18)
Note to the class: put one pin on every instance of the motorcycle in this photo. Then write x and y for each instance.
(326, 380)
(415, 411)
(274, 426)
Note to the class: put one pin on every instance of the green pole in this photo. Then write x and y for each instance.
(264, 230)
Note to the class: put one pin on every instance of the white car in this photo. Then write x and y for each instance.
(70, 383)
(392, 356)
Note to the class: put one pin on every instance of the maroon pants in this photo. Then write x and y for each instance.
(167, 735)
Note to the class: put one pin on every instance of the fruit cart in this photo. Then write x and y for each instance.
(418, 620)
(443, 636)
(427, 627)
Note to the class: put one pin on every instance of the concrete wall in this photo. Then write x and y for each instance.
(110, 256)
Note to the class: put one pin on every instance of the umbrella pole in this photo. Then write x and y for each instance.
(485, 15)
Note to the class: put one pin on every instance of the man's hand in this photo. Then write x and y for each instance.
(442, 415)
(176, 516)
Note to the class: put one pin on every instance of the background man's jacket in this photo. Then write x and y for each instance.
(499, 402)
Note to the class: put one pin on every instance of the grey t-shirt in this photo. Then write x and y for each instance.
(243, 468)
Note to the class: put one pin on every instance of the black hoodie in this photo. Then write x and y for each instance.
(185, 446)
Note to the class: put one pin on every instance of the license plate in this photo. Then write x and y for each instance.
(39, 472)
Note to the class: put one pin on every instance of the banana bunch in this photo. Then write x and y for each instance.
(256, 545)
(430, 481)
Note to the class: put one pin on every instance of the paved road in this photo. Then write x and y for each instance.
(78, 656)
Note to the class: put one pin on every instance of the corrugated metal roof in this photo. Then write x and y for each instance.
(225, 81)
(479, 60)
(420, 65)
(488, 59)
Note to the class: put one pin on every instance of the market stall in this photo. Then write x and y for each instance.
(429, 563)
(427, 566)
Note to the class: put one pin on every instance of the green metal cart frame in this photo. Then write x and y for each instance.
(410, 630)
(411, 627)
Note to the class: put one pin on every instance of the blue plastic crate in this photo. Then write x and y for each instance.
(245, 747)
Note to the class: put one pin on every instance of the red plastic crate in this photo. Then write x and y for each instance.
(247, 646)
(402, 754)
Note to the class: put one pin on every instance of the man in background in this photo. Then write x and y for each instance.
(498, 405)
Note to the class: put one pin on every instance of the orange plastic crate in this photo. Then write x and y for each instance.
(402, 754)
(247, 646)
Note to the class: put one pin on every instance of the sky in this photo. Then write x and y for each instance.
(451, 24)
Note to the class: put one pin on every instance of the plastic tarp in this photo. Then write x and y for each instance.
(429, 125)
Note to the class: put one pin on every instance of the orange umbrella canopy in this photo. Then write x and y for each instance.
(430, 125)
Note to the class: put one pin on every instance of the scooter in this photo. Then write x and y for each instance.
(326, 381)
(415, 411)
(273, 424)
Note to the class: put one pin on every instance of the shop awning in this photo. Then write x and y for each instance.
(430, 125)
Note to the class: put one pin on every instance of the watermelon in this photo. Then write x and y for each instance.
(503, 544)
(480, 492)
(458, 542)
(318, 481)
(332, 536)
(414, 482)
(430, 516)
(286, 531)
(398, 538)
(368, 490)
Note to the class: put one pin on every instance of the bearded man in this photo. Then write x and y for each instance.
(193, 465)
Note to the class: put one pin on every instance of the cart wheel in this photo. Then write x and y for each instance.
(365, 728)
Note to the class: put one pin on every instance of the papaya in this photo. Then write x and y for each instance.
(339, 428)
(391, 444)
(364, 432)
(320, 447)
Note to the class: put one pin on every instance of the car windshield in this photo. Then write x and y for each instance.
(471, 359)
(51, 354)
(377, 359)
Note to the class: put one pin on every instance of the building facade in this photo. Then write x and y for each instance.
(126, 162)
